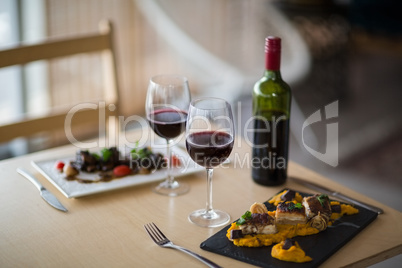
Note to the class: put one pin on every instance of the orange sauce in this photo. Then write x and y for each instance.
(293, 254)
(284, 231)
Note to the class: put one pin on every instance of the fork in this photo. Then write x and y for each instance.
(161, 240)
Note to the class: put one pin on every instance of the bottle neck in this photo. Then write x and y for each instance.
(272, 60)
(273, 63)
(273, 74)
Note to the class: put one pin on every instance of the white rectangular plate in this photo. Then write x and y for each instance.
(74, 188)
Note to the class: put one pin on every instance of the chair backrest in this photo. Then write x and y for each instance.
(101, 42)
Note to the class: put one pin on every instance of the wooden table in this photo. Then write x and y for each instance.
(106, 229)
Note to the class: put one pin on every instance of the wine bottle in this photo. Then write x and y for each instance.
(271, 114)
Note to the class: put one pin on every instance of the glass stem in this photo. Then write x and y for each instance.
(210, 172)
(169, 177)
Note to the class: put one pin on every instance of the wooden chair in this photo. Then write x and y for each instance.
(101, 42)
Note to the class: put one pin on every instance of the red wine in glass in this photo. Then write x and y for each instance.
(168, 98)
(168, 123)
(209, 142)
(209, 148)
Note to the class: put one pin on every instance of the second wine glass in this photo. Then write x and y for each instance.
(167, 102)
(209, 142)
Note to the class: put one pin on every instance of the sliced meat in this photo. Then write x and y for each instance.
(317, 204)
(260, 223)
(290, 213)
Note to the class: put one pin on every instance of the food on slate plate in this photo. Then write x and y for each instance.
(251, 223)
(110, 164)
(318, 211)
(290, 213)
(289, 250)
(294, 216)
(286, 196)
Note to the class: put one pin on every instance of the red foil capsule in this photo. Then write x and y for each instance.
(272, 53)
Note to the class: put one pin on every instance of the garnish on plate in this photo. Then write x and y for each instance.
(110, 164)
(322, 199)
(59, 166)
(295, 206)
(246, 216)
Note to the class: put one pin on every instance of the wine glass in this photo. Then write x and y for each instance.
(167, 102)
(209, 142)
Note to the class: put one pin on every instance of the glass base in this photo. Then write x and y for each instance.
(171, 189)
(213, 218)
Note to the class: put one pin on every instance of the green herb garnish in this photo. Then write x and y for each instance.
(246, 216)
(137, 153)
(322, 198)
(106, 154)
(293, 206)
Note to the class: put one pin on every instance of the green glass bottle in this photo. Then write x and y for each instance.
(271, 112)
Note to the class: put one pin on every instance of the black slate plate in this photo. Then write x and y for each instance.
(319, 246)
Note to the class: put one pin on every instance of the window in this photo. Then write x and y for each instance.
(20, 21)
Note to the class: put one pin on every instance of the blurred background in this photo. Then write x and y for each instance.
(349, 51)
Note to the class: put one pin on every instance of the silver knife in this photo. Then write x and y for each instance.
(46, 195)
(338, 195)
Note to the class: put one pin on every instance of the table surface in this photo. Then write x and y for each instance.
(106, 229)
